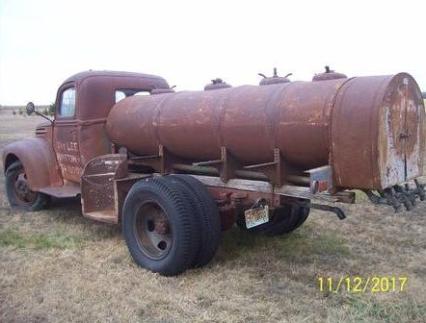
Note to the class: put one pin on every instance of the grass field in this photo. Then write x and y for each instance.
(56, 266)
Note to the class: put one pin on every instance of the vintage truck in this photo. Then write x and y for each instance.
(175, 169)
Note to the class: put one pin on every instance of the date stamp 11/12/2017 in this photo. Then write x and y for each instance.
(359, 284)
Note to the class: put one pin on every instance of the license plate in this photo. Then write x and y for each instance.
(256, 216)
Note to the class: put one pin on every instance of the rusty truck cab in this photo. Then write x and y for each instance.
(55, 159)
(83, 103)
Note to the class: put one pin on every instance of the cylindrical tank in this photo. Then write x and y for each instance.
(369, 129)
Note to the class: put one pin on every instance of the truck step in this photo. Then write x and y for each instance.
(107, 216)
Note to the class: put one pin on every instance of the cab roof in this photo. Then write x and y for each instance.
(90, 73)
(96, 90)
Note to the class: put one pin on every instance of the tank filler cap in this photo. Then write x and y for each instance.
(216, 84)
(328, 75)
(274, 79)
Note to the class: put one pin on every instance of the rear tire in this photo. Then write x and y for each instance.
(159, 227)
(18, 192)
(210, 226)
(284, 219)
(287, 219)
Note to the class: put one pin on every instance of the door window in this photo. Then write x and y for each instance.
(67, 106)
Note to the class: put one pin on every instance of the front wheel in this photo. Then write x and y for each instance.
(18, 191)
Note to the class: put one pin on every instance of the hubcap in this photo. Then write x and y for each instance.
(22, 190)
(153, 230)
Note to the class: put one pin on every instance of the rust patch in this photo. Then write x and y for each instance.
(376, 130)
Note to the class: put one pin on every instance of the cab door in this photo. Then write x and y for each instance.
(65, 132)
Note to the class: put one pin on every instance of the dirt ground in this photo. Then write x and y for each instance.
(56, 266)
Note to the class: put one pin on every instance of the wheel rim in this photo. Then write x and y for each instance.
(153, 231)
(24, 195)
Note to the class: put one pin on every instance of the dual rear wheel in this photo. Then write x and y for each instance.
(170, 224)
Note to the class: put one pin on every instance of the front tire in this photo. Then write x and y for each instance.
(19, 194)
(159, 227)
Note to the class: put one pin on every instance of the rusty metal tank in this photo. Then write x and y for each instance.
(369, 129)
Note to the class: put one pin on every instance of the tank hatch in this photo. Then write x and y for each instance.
(328, 75)
(274, 79)
(216, 84)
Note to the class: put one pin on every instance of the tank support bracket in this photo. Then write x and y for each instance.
(275, 170)
(162, 163)
(228, 165)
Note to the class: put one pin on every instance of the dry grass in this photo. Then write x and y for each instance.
(56, 266)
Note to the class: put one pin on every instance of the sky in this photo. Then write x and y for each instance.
(191, 42)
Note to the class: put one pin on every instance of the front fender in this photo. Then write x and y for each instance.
(38, 159)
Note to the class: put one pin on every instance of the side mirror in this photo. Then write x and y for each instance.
(30, 108)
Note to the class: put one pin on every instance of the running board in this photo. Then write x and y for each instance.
(69, 189)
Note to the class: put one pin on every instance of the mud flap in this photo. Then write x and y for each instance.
(98, 193)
